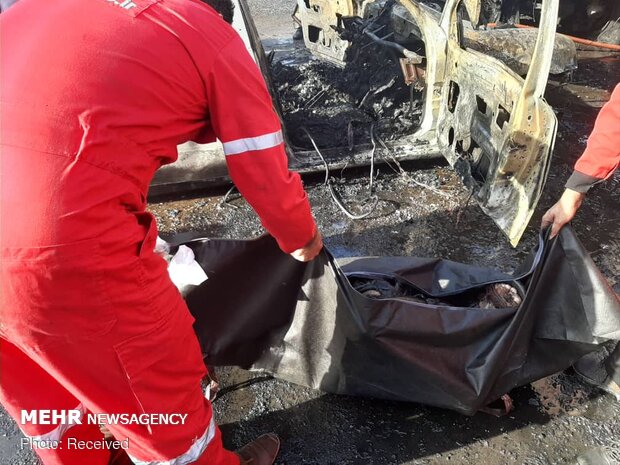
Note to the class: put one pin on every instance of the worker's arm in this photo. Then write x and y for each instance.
(598, 162)
(244, 120)
(602, 155)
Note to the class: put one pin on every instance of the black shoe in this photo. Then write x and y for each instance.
(600, 456)
(261, 451)
(591, 368)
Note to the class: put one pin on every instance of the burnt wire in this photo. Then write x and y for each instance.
(386, 43)
(294, 16)
(463, 208)
(314, 100)
(350, 135)
(242, 385)
(335, 195)
(226, 200)
(402, 172)
(372, 42)
(372, 158)
(387, 161)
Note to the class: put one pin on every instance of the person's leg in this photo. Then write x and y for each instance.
(115, 333)
(158, 372)
(154, 369)
(612, 364)
(600, 369)
(161, 370)
(25, 386)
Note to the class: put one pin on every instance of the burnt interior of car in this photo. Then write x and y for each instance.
(361, 97)
(340, 103)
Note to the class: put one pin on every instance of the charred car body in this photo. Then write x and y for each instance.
(409, 80)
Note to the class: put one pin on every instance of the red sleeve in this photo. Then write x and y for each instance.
(602, 155)
(244, 120)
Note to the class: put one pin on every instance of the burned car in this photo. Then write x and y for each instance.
(404, 80)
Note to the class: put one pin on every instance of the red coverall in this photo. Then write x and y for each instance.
(95, 96)
(602, 156)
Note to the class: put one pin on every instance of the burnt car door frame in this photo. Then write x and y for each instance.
(494, 127)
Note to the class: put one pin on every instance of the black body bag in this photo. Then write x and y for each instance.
(404, 328)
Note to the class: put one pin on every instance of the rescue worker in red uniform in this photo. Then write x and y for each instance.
(599, 161)
(95, 96)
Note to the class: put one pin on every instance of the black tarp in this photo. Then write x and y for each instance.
(305, 323)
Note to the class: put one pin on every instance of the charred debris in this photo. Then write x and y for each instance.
(379, 80)
(491, 296)
(338, 103)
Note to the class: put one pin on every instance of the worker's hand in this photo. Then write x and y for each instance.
(562, 212)
(311, 250)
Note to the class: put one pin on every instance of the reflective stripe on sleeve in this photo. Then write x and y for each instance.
(266, 141)
(192, 454)
(57, 433)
